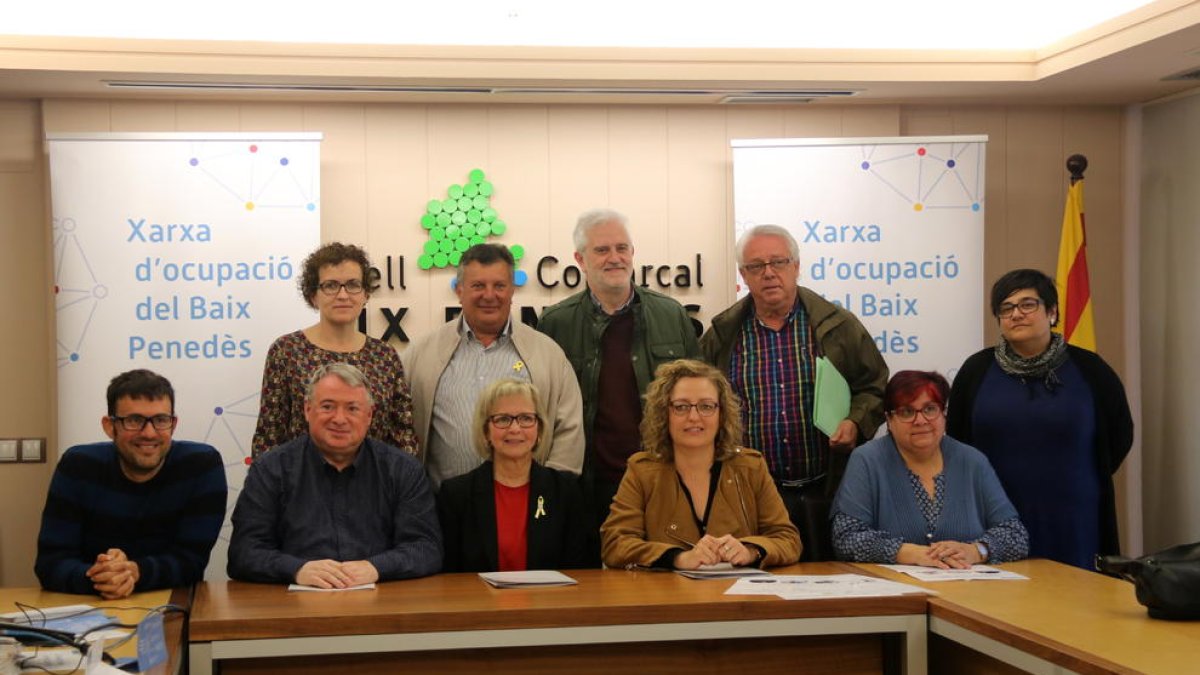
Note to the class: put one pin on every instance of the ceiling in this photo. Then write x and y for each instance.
(1122, 61)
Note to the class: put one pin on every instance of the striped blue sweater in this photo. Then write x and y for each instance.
(167, 525)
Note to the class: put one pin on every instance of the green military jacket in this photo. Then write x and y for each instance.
(662, 332)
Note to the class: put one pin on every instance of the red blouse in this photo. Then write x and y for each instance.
(512, 509)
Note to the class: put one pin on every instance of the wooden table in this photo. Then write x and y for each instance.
(612, 621)
(172, 623)
(1062, 619)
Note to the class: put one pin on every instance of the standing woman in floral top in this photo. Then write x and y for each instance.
(917, 496)
(335, 282)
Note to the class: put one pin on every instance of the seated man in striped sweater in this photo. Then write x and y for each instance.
(137, 513)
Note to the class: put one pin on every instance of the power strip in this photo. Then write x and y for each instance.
(53, 659)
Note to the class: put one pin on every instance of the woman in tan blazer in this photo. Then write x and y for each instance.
(692, 497)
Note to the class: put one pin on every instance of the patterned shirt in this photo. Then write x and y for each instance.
(1005, 541)
(773, 373)
(292, 360)
(451, 449)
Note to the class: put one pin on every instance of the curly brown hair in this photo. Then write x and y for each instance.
(656, 436)
(333, 253)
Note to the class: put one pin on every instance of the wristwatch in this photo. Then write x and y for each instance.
(983, 551)
(756, 552)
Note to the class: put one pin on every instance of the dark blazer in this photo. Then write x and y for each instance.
(1114, 424)
(559, 539)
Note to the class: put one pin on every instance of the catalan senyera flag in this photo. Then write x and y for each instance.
(1076, 322)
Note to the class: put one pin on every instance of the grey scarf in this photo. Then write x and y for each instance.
(1041, 367)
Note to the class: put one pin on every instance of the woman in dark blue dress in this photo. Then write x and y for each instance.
(1052, 419)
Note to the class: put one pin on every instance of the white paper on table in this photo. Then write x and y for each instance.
(45, 613)
(722, 570)
(302, 587)
(768, 585)
(976, 572)
(92, 663)
(527, 578)
(815, 586)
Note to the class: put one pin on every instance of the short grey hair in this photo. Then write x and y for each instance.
(739, 249)
(495, 391)
(592, 218)
(343, 371)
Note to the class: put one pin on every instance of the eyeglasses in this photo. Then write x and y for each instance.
(931, 412)
(1026, 305)
(331, 287)
(138, 422)
(756, 268)
(683, 409)
(523, 420)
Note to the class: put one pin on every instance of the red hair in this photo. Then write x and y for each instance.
(907, 386)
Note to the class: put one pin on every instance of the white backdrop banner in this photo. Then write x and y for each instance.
(889, 228)
(179, 253)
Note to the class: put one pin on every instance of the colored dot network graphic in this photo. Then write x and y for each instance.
(260, 177)
(78, 292)
(946, 175)
(462, 219)
(257, 178)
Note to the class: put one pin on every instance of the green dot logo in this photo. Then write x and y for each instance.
(464, 218)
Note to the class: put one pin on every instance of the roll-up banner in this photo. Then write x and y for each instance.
(889, 228)
(180, 253)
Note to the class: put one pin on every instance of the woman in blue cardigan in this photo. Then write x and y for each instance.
(919, 497)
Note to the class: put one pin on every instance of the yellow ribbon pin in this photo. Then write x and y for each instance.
(541, 508)
(518, 366)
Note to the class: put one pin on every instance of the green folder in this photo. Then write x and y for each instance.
(831, 397)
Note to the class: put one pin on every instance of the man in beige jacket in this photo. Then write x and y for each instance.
(450, 366)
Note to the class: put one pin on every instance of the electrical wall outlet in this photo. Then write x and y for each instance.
(33, 449)
(8, 449)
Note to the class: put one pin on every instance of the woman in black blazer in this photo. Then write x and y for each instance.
(511, 513)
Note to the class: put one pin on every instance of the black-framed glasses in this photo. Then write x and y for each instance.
(931, 412)
(704, 408)
(138, 422)
(332, 287)
(523, 420)
(1026, 305)
(756, 268)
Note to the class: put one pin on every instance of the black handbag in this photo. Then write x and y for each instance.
(1167, 582)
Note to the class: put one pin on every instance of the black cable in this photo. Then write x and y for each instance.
(39, 636)
(26, 610)
(30, 633)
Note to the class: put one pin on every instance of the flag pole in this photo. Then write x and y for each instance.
(1076, 318)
